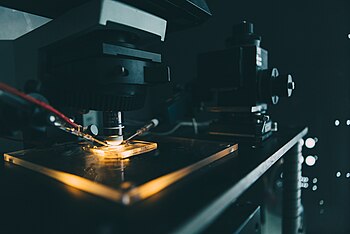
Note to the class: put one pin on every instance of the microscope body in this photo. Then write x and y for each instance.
(238, 84)
(233, 74)
(93, 56)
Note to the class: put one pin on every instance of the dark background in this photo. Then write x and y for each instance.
(310, 40)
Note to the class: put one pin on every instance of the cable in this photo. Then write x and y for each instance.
(75, 130)
(44, 105)
(193, 124)
(151, 124)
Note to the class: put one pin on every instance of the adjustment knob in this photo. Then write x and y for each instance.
(91, 130)
(283, 85)
(266, 79)
(272, 85)
(243, 35)
(243, 28)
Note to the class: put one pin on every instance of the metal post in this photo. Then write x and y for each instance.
(292, 209)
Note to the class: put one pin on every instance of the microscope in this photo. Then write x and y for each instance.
(93, 57)
(238, 85)
(96, 60)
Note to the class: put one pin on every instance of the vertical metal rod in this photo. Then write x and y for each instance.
(292, 208)
(120, 124)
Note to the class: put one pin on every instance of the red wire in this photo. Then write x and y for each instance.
(44, 105)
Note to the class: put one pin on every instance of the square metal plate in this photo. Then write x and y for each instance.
(123, 180)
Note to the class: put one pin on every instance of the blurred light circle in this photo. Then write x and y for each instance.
(310, 143)
(310, 160)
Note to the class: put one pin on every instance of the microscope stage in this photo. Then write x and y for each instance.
(111, 175)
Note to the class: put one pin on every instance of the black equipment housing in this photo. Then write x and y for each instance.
(238, 83)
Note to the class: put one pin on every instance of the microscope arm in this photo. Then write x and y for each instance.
(24, 110)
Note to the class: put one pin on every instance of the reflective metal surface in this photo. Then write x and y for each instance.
(123, 180)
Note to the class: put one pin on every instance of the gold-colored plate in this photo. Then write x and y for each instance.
(110, 174)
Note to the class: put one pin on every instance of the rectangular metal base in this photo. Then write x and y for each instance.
(123, 180)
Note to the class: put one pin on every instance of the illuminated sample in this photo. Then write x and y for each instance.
(111, 172)
(121, 151)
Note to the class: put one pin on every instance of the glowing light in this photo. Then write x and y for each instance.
(338, 174)
(117, 152)
(349, 35)
(314, 180)
(348, 175)
(115, 141)
(72, 180)
(321, 202)
(158, 184)
(310, 160)
(336, 122)
(314, 188)
(52, 118)
(118, 194)
(310, 142)
(348, 122)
